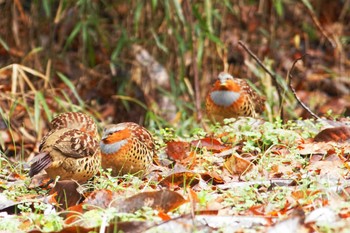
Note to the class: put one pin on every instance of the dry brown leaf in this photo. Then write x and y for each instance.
(163, 200)
(330, 169)
(344, 212)
(180, 179)
(177, 150)
(164, 216)
(212, 177)
(67, 193)
(336, 134)
(126, 227)
(322, 148)
(74, 213)
(238, 165)
(100, 198)
(210, 144)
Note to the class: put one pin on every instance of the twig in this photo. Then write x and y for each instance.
(290, 76)
(273, 77)
(194, 63)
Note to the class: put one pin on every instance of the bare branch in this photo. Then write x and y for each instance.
(273, 77)
(294, 92)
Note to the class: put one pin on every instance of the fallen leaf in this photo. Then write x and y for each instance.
(293, 223)
(303, 194)
(74, 213)
(180, 179)
(336, 134)
(322, 148)
(39, 180)
(212, 177)
(238, 165)
(100, 198)
(332, 170)
(177, 150)
(210, 144)
(117, 226)
(67, 193)
(344, 212)
(163, 200)
(164, 216)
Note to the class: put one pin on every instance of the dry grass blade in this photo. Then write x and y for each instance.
(19, 72)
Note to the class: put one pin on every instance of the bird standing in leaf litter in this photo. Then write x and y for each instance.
(70, 150)
(127, 148)
(232, 97)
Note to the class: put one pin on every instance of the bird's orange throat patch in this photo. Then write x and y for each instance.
(229, 85)
(117, 136)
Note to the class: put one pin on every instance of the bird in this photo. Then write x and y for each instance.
(75, 120)
(69, 150)
(127, 148)
(232, 97)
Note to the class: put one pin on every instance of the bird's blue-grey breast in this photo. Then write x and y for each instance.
(224, 98)
(113, 147)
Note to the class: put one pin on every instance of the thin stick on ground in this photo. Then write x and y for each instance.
(273, 77)
(290, 76)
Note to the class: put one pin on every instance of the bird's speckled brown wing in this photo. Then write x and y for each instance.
(77, 144)
(68, 153)
(256, 102)
(72, 120)
(142, 135)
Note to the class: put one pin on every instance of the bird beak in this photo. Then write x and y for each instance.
(222, 83)
(104, 137)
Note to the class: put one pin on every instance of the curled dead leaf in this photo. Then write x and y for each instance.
(238, 165)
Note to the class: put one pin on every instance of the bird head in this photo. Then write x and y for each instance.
(114, 133)
(225, 82)
(114, 137)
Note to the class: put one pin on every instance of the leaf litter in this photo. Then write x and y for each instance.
(243, 179)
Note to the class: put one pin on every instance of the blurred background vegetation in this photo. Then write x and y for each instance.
(152, 62)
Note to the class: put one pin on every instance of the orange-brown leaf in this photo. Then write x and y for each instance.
(238, 165)
(180, 179)
(336, 134)
(164, 200)
(210, 144)
(177, 150)
(164, 216)
(100, 198)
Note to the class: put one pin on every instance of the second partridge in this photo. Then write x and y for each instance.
(70, 150)
(127, 148)
(232, 97)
